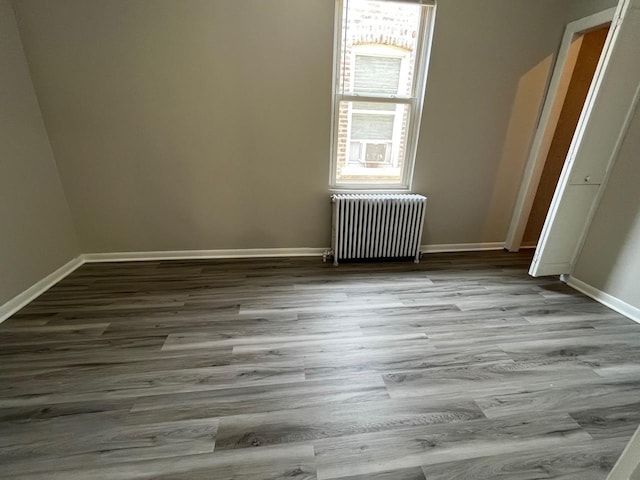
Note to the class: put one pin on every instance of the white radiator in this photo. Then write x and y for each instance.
(377, 226)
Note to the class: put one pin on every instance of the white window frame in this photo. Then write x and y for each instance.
(415, 101)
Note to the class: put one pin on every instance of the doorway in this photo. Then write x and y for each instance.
(577, 62)
(588, 48)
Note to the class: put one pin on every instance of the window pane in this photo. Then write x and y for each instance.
(379, 47)
(371, 142)
(380, 75)
(366, 126)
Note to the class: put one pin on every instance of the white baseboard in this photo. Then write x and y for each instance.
(202, 254)
(461, 247)
(263, 252)
(38, 288)
(607, 300)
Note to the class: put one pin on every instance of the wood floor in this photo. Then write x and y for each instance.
(461, 367)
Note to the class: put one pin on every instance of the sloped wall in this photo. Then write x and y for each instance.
(36, 233)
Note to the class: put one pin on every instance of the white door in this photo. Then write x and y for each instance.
(603, 123)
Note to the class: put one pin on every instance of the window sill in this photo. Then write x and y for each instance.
(367, 189)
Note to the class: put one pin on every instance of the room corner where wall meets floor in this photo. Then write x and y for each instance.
(614, 303)
(34, 291)
(188, 178)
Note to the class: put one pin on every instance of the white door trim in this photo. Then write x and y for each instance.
(547, 123)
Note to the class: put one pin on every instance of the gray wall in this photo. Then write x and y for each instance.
(36, 234)
(202, 124)
(583, 8)
(610, 258)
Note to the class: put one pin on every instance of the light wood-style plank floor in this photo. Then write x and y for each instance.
(461, 367)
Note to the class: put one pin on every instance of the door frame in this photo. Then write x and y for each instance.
(546, 127)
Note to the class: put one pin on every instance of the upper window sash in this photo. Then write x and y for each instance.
(345, 84)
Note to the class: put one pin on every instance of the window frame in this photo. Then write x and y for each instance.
(415, 101)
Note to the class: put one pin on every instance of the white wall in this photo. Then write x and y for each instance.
(36, 233)
(204, 124)
(610, 258)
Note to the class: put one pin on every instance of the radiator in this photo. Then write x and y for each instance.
(377, 226)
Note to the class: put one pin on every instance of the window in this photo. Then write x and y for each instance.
(380, 65)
